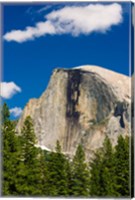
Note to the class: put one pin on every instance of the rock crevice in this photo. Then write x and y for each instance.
(81, 105)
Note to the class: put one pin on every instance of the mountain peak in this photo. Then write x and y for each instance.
(81, 105)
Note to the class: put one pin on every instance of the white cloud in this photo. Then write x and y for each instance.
(16, 112)
(41, 28)
(44, 8)
(8, 89)
(87, 19)
(74, 20)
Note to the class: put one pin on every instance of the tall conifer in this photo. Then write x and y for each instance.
(57, 173)
(122, 166)
(10, 154)
(80, 174)
(29, 179)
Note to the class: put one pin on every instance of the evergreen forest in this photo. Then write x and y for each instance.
(31, 171)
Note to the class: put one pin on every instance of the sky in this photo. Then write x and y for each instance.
(37, 38)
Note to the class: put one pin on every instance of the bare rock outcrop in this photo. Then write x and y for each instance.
(81, 105)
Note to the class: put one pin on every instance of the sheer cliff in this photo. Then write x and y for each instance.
(81, 105)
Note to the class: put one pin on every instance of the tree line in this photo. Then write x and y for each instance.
(31, 171)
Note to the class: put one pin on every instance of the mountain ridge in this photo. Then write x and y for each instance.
(81, 105)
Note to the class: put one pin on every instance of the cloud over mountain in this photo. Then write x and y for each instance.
(16, 112)
(8, 89)
(74, 20)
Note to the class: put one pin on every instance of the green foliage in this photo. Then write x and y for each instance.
(57, 177)
(43, 173)
(28, 141)
(11, 154)
(80, 174)
(132, 166)
(5, 114)
(122, 166)
(29, 168)
(95, 174)
(110, 170)
(31, 171)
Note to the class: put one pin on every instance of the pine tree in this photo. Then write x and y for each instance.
(28, 176)
(11, 154)
(108, 175)
(43, 173)
(103, 178)
(122, 166)
(57, 179)
(5, 114)
(80, 174)
(95, 174)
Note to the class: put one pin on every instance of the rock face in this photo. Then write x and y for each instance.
(81, 105)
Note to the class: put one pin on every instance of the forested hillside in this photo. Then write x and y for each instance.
(31, 171)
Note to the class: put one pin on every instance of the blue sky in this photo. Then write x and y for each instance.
(60, 35)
